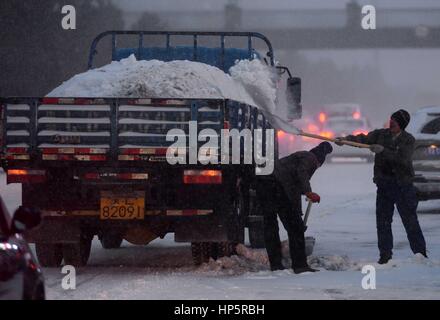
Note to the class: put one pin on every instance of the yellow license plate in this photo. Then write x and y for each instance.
(122, 207)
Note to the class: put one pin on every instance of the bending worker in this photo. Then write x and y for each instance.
(281, 196)
(393, 175)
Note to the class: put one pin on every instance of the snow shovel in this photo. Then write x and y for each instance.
(306, 216)
(346, 142)
(285, 126)
(309, 241)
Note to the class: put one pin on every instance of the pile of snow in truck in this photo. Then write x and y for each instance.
(250, 82)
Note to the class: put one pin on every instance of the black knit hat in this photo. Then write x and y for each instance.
(321, 151)
(402, 117)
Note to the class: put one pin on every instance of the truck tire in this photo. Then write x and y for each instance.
(241, 210)
(50, 255)
(256, 235)
(203, 251)
(111, 241)
(77, 254)
(255, 223)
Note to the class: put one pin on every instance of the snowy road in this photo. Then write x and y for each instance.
(343, 223)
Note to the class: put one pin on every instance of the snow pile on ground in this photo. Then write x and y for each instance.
(256, 260)
(230, 266)
(250, 82)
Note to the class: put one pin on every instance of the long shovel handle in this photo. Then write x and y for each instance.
(349, 143)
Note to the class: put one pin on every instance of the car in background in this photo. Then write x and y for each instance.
(425, 127)
(338, 110)
(341, 126)
(289, 143)
(20, 275)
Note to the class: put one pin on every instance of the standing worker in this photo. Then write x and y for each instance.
(281, 195)
(393, 175)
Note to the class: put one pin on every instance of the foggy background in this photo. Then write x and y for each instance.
(36, 54)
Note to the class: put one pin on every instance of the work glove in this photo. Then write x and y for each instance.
(376, 148)
(314, 197)
(338, 141)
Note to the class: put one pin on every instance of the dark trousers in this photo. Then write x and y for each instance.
(389, 193)
(274, 202)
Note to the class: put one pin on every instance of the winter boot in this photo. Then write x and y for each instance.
(299, 270)
(276, 267)
(384, 258)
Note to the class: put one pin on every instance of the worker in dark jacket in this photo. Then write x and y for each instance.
(281, 194)
(393, 175)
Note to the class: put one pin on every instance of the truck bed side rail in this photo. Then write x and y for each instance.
(124, 129)
(221, 57)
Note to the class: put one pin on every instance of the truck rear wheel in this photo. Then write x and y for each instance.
(111, 241)
(256, 235)
(256, 223)
(50, 255)
(77, 254)
(241, 211)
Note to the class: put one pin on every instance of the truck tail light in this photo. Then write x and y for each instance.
(202, 177)
(26, 176)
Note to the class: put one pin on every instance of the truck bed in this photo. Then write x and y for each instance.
(73, 131)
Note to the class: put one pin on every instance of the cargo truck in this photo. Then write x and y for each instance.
(98, 166)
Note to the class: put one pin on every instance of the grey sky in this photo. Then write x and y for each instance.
(414, 72)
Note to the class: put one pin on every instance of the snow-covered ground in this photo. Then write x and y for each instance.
(343, 224)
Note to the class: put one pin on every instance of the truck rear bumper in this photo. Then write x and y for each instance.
(70, 229)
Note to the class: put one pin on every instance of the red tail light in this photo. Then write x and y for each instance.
(322, 117)
(26, 176)
(356, 115)
(202, 177)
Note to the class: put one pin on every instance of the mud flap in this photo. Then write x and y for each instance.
(198, 231)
